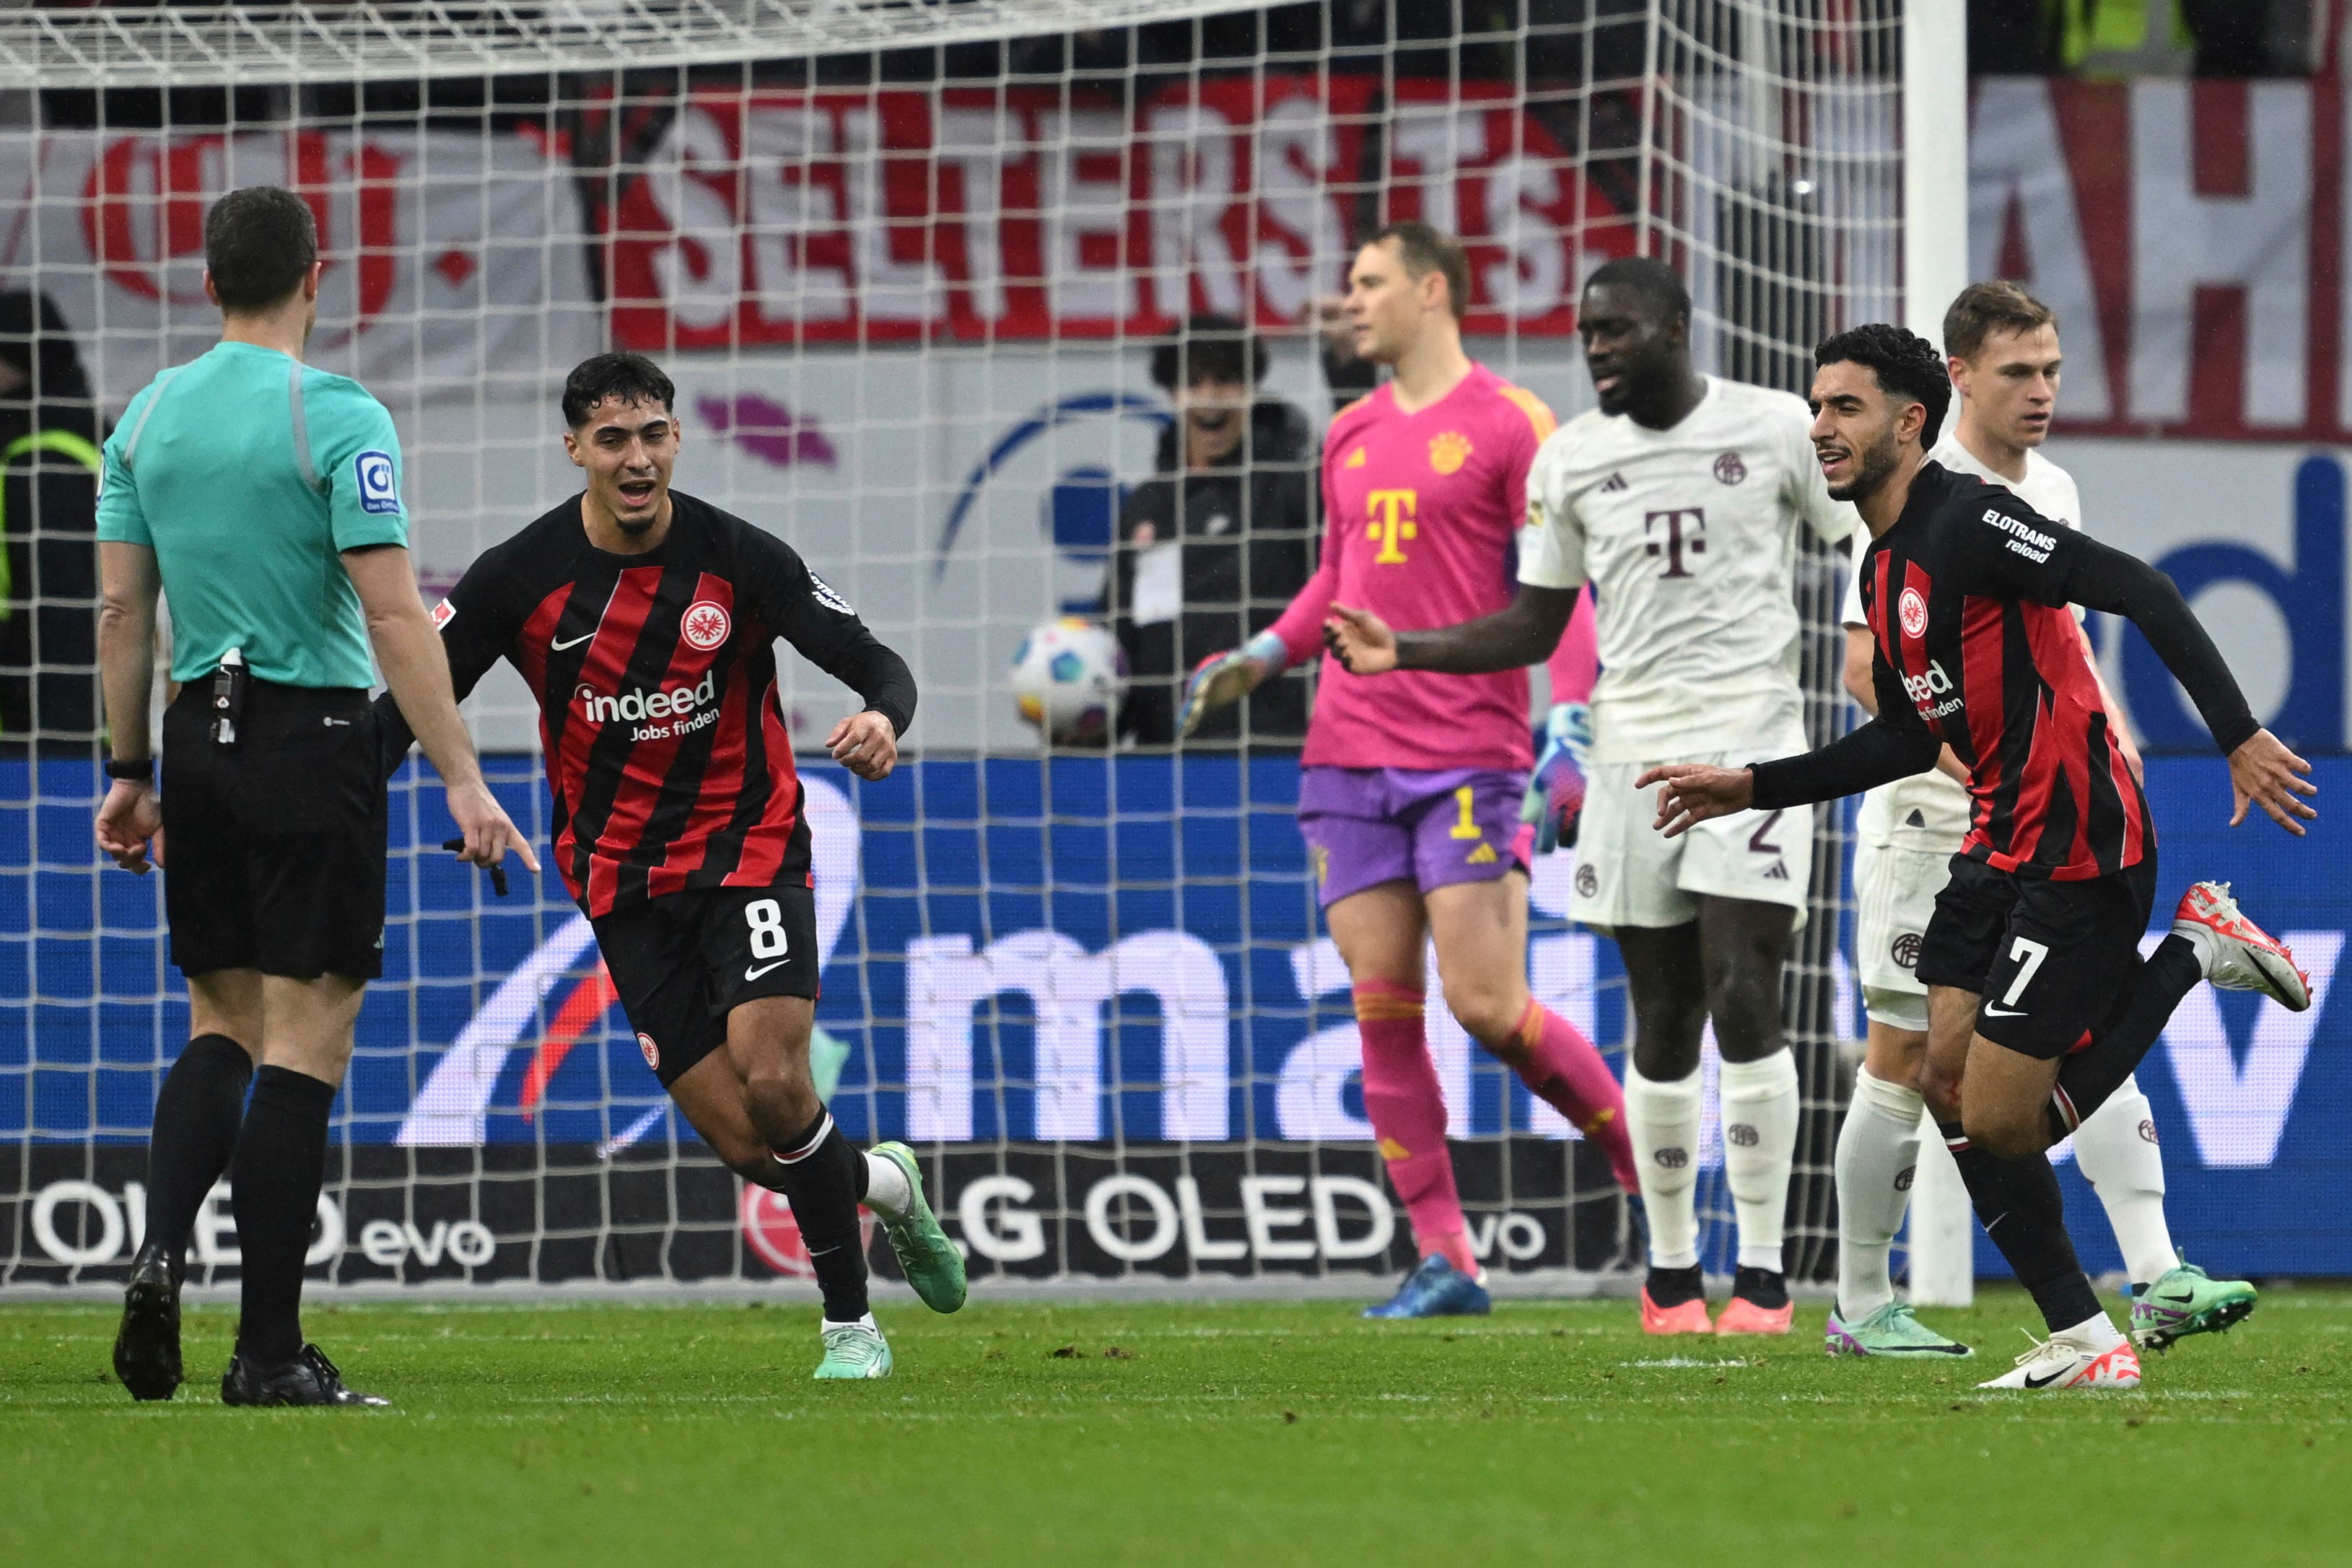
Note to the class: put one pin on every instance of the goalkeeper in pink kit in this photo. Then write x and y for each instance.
(1412, 796)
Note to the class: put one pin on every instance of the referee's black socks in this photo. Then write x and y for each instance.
(2020, 1207)
(197, 1114)
(2088, 1077)
(281, 1159)
(823, 1178)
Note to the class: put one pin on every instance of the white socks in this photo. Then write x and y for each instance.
(1662, 1119)
(2126, 1168)
(2097, 1334)
(887, 1191)
(1877, 1154)
(1760, 1145)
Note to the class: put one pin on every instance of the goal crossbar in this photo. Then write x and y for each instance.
(263, 45)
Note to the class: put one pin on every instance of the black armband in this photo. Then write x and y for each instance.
(136, 770)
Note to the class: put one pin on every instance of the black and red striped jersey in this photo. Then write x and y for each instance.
(1967, 598)
(655, 677)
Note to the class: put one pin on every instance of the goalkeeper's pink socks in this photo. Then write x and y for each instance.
(1407, 1108)
(1561, 1068)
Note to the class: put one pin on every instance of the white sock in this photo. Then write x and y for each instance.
(2200, 938)
(1760, 1145)
(1877, 1153)
(2097, 1334)
(1662, 1119)
(865, 1323)
(887, 1190)
(2116, 1148)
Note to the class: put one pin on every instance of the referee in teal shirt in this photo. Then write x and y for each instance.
(263, 497)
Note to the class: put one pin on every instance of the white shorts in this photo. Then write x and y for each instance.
(1629, 874)
(1895, 893)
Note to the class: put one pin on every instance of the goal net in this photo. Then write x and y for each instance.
(906, 261)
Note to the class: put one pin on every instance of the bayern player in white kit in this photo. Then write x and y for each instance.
(1680, 498)
(2002, 346)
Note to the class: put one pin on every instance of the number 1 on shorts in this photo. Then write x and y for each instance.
(1467, 827)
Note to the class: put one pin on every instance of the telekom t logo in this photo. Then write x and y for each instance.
(1392, 512)
(1685, 535)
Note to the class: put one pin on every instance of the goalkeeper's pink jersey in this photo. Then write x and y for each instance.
(1419, 513)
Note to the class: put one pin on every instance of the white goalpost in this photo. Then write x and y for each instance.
(906, 260)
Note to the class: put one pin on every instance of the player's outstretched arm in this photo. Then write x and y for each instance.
(1521, 635)
(2263, 771)
(1877, 753)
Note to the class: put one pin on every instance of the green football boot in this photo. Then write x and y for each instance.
(855, 1350)
(932, 1262)
(1890, 1331)
(2185, 1302)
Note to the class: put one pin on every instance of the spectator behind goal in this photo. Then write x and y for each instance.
(1212, 546)
(48, 511)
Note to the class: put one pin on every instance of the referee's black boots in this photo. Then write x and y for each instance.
(309, 1379)
(147, 1346)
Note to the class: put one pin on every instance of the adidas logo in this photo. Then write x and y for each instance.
(1777, 871)
(1483, 855)
(1614, 482)
(1354, 459)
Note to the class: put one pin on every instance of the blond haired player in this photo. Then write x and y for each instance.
(2003, 349)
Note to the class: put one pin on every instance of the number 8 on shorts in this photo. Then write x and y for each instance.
(766, 918)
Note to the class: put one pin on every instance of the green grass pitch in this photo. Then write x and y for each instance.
(1212, 1434)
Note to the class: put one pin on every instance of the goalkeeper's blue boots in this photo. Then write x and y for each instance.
(147, 1346)
(1436, 1290)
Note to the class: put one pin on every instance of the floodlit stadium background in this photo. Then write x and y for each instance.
(908, 295)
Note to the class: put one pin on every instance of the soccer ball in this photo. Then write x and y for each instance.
(1068, 678)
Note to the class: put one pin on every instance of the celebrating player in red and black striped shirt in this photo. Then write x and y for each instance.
(644, 621)
(2036, 991)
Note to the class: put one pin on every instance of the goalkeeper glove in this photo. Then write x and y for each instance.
(1229, 677)
(1555, 796)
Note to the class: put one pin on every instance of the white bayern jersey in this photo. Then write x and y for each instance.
(1689, 537)
(1930, 810)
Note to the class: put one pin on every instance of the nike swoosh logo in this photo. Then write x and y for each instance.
(2033, 1382)
(1995, 1011)
(755, 974)
(338, 724)
(558, 647)
(2184, 1299)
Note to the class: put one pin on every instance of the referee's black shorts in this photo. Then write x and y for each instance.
(274, 848)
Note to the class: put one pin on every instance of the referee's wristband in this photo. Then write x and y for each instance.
(137, 770)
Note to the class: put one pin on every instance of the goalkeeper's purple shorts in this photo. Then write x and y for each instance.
(1365, 826)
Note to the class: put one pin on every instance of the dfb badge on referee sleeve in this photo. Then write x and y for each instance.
(378, 492)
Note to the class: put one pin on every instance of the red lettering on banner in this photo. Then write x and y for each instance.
(987, 215)
(144, 201)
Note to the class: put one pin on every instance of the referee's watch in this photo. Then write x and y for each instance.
(137, 770)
